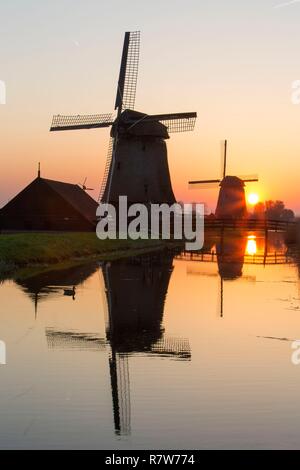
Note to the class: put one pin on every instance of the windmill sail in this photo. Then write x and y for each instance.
(204, 184)
(89, 121)
(175, 122)
(208, 184)
(107, 168)
(180, 122)
(223, 158)
(249, 178)
(120, 387)
(126, 90)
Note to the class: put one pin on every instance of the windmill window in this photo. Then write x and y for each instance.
(144, 147)
(146, 188)
(118, 165)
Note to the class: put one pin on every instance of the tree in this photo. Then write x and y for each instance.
(275, 210)
(287, 215)
(259, 211)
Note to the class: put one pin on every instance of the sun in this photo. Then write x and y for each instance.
(251, 248)
(253, 199)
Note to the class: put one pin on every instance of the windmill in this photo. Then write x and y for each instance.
(137, 163)
(84, 187)
(231, 202)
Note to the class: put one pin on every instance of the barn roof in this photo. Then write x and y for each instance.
(74, 195)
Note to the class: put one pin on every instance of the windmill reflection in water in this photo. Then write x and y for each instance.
(134, 293)
(231, 250)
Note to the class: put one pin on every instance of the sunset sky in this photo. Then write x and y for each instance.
(232, 61)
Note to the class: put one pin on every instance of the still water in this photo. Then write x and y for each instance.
(164, 351)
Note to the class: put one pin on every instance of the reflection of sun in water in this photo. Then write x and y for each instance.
(253, 198)
(251, 248)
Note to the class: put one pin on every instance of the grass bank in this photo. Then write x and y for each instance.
(31, 249)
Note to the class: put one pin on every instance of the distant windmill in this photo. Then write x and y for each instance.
(231, 201)
(137, 164)
(84, 187)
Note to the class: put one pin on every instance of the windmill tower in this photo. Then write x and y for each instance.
(137, 163)
(231, 202)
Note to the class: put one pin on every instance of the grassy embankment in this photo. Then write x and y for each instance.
(32, 249)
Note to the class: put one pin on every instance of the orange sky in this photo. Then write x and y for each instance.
(234, 64)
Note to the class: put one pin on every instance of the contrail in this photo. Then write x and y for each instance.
(286, 4)
(274, 337)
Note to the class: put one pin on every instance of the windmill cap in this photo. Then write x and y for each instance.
(232, 181)
(132, 123)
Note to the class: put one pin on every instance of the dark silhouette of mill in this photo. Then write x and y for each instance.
(134, 294)
(231, 202)
(136, 291)
(137, 163)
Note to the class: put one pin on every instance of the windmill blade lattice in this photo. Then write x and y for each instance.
(128, 72)
(89, 121)
(175, 122)
(223, 145)
(107, 168)
(249, 178)
(180, 125)
(209, 184)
